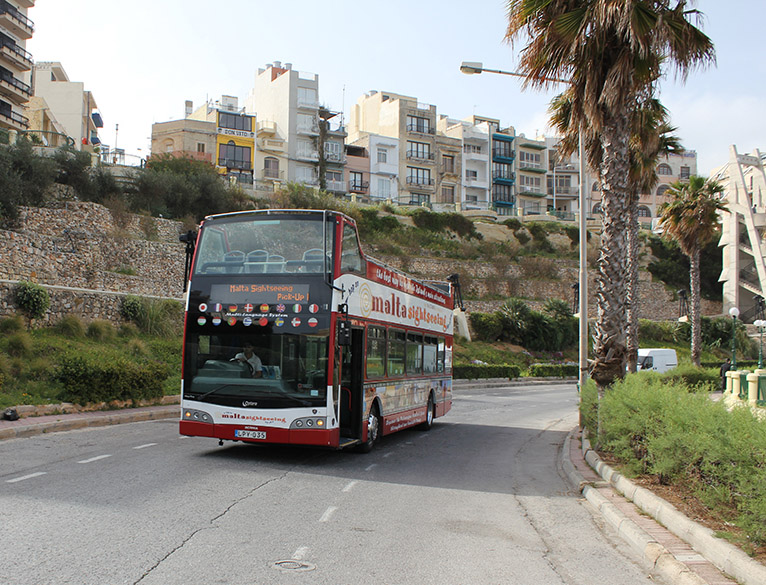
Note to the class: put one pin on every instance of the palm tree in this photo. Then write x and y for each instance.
(611, 51)
(691, 219)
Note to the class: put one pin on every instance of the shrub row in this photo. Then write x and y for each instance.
(661, 428)
(475, 371)
(100, 378)
(554, 370)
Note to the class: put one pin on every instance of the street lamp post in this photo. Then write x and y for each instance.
(760, 324)
(734, 312)
(472, 68)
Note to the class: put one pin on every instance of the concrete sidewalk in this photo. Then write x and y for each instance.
(681, 550)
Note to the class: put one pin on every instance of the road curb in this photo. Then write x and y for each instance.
(726, 557)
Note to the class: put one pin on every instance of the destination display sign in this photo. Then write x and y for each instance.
(239, 293)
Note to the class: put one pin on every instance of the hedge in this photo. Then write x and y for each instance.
(475, 371)
(99, 379)
(554, 370)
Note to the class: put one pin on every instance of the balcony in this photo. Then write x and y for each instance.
(266, 127)
(336, 186)
(420, 181)
(13, 89)
(420, 156)
(231, 163)
(15, 22)
(564, 191)
(420, 129)
(14, 120)
(272, 144)
(311, 129)
(334, 157)
(272, 174)
(14, 56)
(504, 178)
(531, 167)
(358, 186)
(307, 155)
(26, 3)
(503, 155)
(308, 103)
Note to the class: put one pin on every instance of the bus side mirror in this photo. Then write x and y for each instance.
(344, 333)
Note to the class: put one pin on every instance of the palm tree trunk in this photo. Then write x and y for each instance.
(633, 296)
(694, 285)
(609, 344)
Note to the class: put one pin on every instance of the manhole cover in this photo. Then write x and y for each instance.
(291, 565)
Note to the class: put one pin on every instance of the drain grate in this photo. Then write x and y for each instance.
(293, 565)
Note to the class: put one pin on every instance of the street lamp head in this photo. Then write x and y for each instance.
(471, 67)
(734, 312)
(759, 323)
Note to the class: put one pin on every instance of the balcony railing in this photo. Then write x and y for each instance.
(15, 117)
(420, 129)
(336, 186)
(419, 155)
(27, 26)
(20, 54)
(22, 87)
(419, 181)
(231, 163)
(272, 174)
(358, 186)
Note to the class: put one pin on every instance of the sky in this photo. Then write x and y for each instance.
(144, 58)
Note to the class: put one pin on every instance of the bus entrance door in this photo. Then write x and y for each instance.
(351, 396)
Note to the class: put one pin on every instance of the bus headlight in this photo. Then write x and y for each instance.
(194, 415)
(311, 422)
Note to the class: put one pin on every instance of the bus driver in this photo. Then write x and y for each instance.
(253, 362)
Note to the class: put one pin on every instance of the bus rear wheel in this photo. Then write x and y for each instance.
(430, 415)
(374, 427)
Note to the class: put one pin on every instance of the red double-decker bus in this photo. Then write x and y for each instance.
(293, 336)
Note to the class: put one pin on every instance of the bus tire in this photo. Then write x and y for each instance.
(374, 427)
(430, 415)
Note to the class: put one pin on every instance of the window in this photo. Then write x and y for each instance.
(234, 157)
(644, 211)
(418, 176)
(502, 149)
(530, 159)
(376, 352)
(307, 96)
(271, 167)
(332, 151)
(235, 122)
(396, 352)
(596, 187)
(664, 169)
(501, 171)
(169, 147)
(200, 147)
(418, 124)
(502, 193)
(356, 180)
(307, 123)
(382, 155)
(384, 187)
(448, 164)
(420, 199)
(305, 149)
(685, 172)
(471, 175)
(661, 190)
(414, 362)
(420, 150)
(305, 174)
(431, 355)
(530, 184)
(350, 257)
(448, 193)
(471, 149)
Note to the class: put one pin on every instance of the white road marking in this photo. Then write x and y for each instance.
(92, 459)
(299, 554)
(388, 454)
(145, 446)
(371, 467)
(328, 514)
(349, 486)
(23, 477)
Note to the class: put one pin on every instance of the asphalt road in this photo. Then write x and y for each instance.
(477, 500)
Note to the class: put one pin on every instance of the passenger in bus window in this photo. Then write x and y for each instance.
(253, 362)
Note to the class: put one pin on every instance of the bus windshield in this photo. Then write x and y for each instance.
(293, 370)
(264, 244)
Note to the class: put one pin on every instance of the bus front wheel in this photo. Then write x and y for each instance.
(374, 428)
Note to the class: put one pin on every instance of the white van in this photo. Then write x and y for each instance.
(657, 359)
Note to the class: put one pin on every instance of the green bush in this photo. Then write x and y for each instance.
(540, 236)
(513, 223)
(487, 326)
(133, 309)
(554, 370)
(694, 378)
(522, 236)
(161, 317)
(101, 330)
(33, 299)
(474, 371)
(100, 378)
(11, 324)
(19, 344)
(71, 326)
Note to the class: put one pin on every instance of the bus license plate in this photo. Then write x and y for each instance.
(250, 434)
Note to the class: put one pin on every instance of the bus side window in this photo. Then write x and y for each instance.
(396, 348)
(440, 356)
(350, 257)
(430, 355)
(414, 353)
(376, 352)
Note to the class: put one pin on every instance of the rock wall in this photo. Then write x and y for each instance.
(90, 258)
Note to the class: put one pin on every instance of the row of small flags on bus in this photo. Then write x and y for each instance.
(263, 321)
(249, 308)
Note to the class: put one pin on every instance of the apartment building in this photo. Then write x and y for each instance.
(381, 155)
(531, 162)
(413, 125)
(196, 139)
(15, 64)
(300, 140)
(562, 180)
(73, 108)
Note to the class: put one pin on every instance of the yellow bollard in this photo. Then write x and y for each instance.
(752, 388)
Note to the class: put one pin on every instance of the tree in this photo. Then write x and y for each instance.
(691, 219)
(611, 52)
